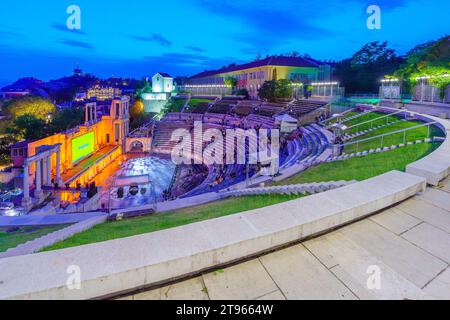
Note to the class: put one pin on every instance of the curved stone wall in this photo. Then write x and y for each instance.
(124, 265)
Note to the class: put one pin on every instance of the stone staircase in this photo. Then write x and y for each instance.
(346, 156)
(363, 132)
(307, 188)
(38, 244)
(348, 118)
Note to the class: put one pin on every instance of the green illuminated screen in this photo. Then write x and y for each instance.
(82, 146)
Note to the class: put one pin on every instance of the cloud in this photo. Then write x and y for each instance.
(61, 27)
(157, 38)
(178, 58)
(269, 24)
(78, 44)
(182, 61)
(282, 18)
(197, 49)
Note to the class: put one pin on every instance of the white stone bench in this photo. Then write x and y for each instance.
(436, 166)
(122, 265)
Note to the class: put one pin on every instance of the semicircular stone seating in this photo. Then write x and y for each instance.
(304, 146)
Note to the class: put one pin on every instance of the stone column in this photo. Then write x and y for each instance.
(49, 171)
(26, 201)
(86, 113)
(46, 171)
(39, 194)
(58, 168)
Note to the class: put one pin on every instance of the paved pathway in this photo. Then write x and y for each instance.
(36, 220)
(436, 109)
(409, 244)
(38, 244)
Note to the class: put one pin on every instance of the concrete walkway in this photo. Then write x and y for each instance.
(434, 109)
(49, 220)
(408, 244)
(38, 244)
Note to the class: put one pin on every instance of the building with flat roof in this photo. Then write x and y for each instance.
(252, 75)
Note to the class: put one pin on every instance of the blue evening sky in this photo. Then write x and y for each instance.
(138, 37)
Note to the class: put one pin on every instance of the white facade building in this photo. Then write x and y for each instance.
(162, 88)
(162, 83)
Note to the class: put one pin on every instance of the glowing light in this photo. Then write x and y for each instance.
(325, 83)
(430, 77)
(389, 80)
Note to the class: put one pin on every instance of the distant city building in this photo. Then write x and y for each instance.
(162, 89)
(251, 76)
(102, 93)
(80, 96)
(23, 87)
(10, 94)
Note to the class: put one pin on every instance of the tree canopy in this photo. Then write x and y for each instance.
(428, 59)
(30, 105)
(30, 127)
(363, 71)
(66, 119)
(230, 82)
(275, 89)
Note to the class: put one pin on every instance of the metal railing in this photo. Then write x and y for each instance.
(376, 119)
(383, 136)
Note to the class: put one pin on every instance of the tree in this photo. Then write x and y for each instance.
(138, 117)
(230, 82)
(137, 109)
(427, 59)
(30, 127)
(275, 89)
(363, 71)
(283, 89)
(243, 92)
(373, 53)
(66, 119)
(267, 91)
(5, 154)
(30, 105)
(143, 86)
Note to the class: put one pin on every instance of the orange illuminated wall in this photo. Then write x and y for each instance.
(106, 127)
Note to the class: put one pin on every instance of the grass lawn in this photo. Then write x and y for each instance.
(367, 117)
(194, 102)
(361, 168)
(178, 105)
(393, 139)
(347, 115)
(13, 239)
(161, 221)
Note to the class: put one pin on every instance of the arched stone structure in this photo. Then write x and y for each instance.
(131, 143)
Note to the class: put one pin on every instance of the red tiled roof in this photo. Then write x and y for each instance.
(269, 61)
(165, 75)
